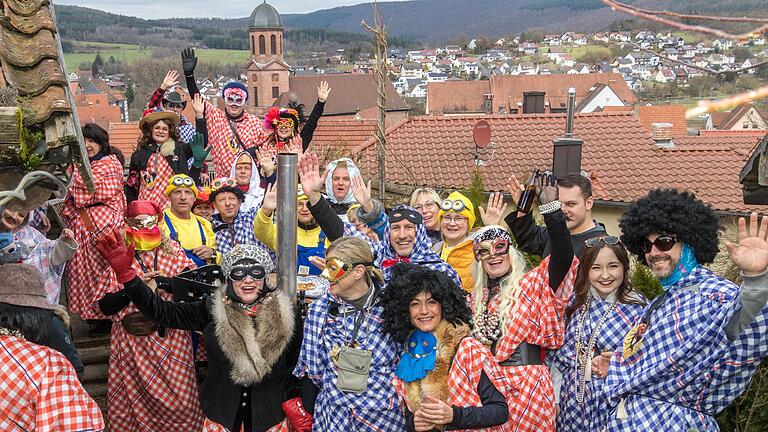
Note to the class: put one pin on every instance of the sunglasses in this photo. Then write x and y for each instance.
(413, 217)
(337, 269)
(183, 181)
(139, 223)
(490, 248)
(450, 205)
(256, 272)
(609, 240)
(663, 243)
(235, 100)
(174, 105)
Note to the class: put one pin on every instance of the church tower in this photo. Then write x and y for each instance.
(267, 73)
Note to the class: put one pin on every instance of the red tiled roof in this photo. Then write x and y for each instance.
(457, 96)
(742, 142)
(124, 136)
(673, 114)
(95, 108)
(622, 159)
(335, 137)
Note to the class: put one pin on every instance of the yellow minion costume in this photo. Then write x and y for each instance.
(191, 232)
(460, 257)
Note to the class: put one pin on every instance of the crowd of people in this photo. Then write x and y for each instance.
(431, 316)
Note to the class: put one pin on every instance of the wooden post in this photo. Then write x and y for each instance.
(379, 33)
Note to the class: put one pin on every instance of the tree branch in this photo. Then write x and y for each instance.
(705, 107)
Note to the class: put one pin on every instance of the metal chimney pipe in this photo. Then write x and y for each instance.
(570, 114)
(287, 190)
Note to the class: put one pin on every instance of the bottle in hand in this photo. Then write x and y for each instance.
(529, 194)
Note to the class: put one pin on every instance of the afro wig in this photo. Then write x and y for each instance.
(408, 280)
(669, 211)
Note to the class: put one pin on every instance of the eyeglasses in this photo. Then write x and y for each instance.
(139, 223)
(490, 248)
(235, 100)
(425, 206)
(183, 181)
(450, 205)
(337, 269)
(663, 243)
(457, 219)
(221, 182)
(609, 240)
(256, 272)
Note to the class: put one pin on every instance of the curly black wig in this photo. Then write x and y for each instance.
(408, 280)
(670, 211)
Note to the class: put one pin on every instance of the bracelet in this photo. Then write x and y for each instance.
(549, 207)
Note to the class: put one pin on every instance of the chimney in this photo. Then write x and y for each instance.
(662, 134)
(488, 103)
(566, 153)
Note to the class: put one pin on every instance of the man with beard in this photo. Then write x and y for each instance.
(575, 194)
(694, 349)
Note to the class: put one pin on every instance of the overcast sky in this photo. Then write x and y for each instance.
(203, 8)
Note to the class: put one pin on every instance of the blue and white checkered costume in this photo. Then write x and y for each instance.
(586, 416)
(422, 253)
(686, 370)
(186, 130)
(375, 410)
(239, 232)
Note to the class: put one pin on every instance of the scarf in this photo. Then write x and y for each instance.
(144, 239)
(684, 266)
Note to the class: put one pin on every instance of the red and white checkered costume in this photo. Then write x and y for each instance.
(249, 128)
(89, 276)
(212, 426)
(538, 320)
(153, 180)
(471, 359)
(40, 391)
(152, 383)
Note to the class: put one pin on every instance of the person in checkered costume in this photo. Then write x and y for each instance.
(40, 390)
(601, 311)
(695, 347)
(232, 225)
(89, 215)
(167, 98)
(446, 378)
(151, 383)
(349, 317)
(251, 331)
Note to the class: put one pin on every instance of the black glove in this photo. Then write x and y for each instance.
(188, 61)
(546, 187)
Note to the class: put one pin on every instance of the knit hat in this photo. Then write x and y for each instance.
(246, 252)
(138, 207)
(22, 285)
(458, 203)
(11, 250)
(236, 85)
(179, 181)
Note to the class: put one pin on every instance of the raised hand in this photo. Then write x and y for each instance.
(751, 254)
(265, 160)
(323, 91)
(546, 188)
(514, 188)
(188, 61)
(269, 204)
(362, 192)
(311, 180)
(495, 212)
(171, 80)
(198, 104)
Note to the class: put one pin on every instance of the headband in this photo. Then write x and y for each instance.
(492, 232)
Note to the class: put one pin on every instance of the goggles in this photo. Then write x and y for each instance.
(663, 243)
(450, 205)
(490, 248)
(221, 182)
(234, 99)
(183, 181)
(337, 269)
(595, 241)
(139, 223)
(412, 216)
(256, 272)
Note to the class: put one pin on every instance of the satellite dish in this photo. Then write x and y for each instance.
(482, 134)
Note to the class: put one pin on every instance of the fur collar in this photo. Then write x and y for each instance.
(168, 147)
(253, 345)
(436, 382)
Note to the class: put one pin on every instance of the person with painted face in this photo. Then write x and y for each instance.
(519, 313)
(231, 130)
(603, 306)
(151, 383)
(251, 332)
(694, 348)
(161, 154)
(346, 361)
(232, 224)
(191, 231)
(89, 215)
(167, 98)
(446, 378)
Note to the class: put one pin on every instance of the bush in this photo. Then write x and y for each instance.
(644, 281)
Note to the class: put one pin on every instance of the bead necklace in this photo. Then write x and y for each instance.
(11, 332)
(584, 352)
(487, 326)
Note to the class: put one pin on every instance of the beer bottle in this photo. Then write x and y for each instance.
(529, 194)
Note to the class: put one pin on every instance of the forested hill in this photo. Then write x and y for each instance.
(427, 20)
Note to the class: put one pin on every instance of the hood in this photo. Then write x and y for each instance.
(255, 193)
(353, 172)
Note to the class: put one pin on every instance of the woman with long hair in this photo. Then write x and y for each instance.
(346, 360)
(519, 313)
(600, 314)
(446, 378)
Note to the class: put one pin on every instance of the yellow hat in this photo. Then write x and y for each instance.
(181, 180)
(300, 195)
(458, 203)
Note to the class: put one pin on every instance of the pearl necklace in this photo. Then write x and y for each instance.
(487, 326)
(584, 352)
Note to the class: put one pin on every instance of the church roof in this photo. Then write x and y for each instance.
(265, 17)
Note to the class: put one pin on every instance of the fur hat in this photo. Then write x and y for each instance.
(22, 285)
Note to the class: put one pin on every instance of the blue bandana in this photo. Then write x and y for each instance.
(687, 263)
(418, 358)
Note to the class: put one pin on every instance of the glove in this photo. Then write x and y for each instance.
(188, 61)
(299, 418)
(199, 153)
(112, 247)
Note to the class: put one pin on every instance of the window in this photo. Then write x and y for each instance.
(273, 44)
(256, 96)
(533, 102)
(262, 45)
(275, 92)
(253, 45)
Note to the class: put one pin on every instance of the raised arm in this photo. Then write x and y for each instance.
(559, 236)
(317, 111)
